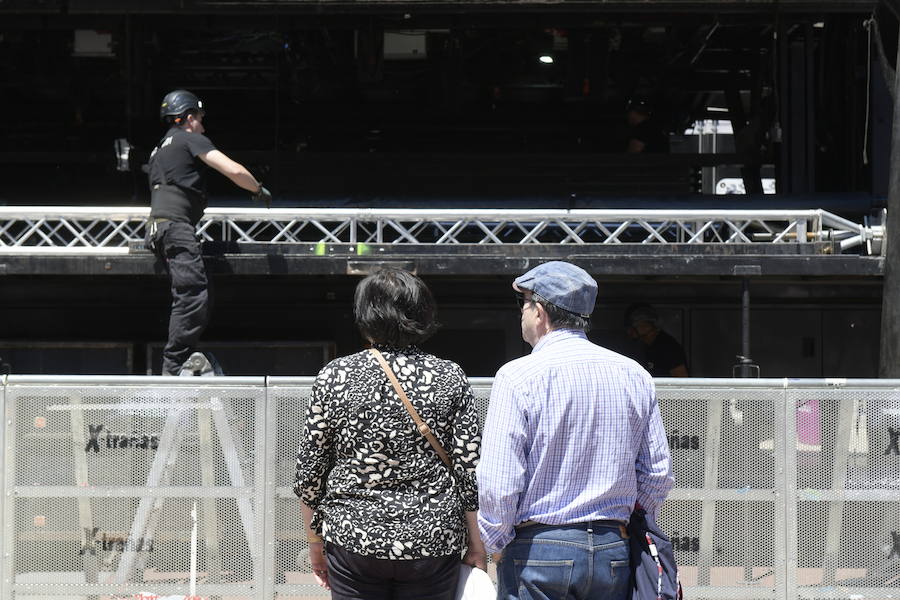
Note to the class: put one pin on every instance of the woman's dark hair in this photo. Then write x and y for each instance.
(394, 307)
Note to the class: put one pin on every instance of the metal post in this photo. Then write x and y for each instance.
(783, 169)
(890, 296)
(210, 512)
(809, 108)
(745, 318)
(85, 511)
(6, 520)
(835, 520)
(712, 464)
(745, 366)
(786, 546)
(265, 489)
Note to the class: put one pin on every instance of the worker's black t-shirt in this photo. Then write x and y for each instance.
(654, 138)
(177, 182)
(663, 355)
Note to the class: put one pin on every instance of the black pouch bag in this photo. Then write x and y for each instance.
(654, 574)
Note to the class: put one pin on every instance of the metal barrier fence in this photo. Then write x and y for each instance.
(785, 488)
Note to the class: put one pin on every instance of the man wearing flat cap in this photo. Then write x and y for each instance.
(573, 440)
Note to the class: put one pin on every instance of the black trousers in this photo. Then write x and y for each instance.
(177, 246)
(356, 577)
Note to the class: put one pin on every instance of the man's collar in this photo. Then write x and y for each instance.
(556, 335)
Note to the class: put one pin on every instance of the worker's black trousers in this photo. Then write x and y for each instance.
(176, 244)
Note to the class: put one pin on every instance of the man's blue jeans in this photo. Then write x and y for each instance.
(565, 562)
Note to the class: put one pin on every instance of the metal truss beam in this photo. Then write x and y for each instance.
(111, 231)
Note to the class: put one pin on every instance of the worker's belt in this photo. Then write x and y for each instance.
(153, 227)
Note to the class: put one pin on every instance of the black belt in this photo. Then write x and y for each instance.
(612, 523)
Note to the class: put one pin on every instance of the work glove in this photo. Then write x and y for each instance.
(263, 195)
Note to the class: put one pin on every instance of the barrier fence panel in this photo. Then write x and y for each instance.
(288, 399)
(847, 485)
(724, 512)
(5, 581)
(785, 488)
(106, 476)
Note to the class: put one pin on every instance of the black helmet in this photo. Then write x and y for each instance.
(640, 104)
(179, 102)
(636, 313)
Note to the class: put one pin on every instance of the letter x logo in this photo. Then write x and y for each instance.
(90, 541)
(894, 443)
(94, 442)
(895, 544)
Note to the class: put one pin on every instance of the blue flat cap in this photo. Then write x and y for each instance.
(563, 284)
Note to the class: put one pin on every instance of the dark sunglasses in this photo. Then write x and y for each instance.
(521, 300)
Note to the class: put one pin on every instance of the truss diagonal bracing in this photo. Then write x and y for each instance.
(111, 230)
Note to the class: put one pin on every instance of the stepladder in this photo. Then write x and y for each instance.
(213, 423)
(200, 430)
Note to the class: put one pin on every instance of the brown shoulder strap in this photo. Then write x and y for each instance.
(420, 424)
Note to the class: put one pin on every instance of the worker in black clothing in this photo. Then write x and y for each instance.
(645, 135)
(662, 355)
(177, 200)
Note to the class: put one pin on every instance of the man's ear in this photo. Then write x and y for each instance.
(542, 312)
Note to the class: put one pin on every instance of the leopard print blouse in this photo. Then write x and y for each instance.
(376, 486)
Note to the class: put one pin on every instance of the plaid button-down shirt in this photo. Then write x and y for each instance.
(573, 434)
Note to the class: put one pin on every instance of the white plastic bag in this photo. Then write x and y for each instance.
(474, 584)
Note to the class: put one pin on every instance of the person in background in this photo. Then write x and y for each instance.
(662, 355)
(386, 518)
(572, 441)
(645, 135)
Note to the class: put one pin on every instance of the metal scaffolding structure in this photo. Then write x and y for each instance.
(114, 230)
